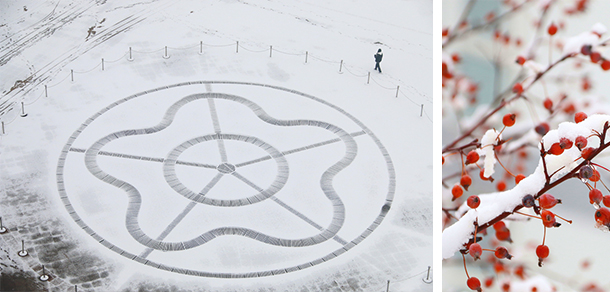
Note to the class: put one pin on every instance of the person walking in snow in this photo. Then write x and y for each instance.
(378, 58)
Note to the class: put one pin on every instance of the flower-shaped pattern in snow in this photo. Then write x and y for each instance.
(225, 168)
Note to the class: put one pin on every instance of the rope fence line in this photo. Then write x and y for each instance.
(149, 52)
(327, 61)
(35, 100)
(286, 53)
(350, 71)
(87, 71)
(200, 45)
(427, 116)
(119, 59)
(253, 51)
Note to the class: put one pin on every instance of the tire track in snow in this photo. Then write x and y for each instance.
(51, 69)
(45, 30)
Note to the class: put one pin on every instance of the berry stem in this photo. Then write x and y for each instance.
(465, 269)
(544, 235)
(505, 169)
(564, 219)
(528, 215)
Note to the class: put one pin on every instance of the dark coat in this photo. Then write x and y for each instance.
(378, 57)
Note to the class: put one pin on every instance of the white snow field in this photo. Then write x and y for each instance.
(216, 145)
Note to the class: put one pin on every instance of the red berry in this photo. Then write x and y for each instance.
(580, 142)
(472, 157)
(456, 58)
(606, 200)
(465, 181)
(501, 186)
(509, 120)
(475, 251)
(579, 117)
(595, 57)
(595, 176)
(606, 65)
(548, 218)
(482, 176)
(552, 30)
(518, 88)
(587, 153)
(542, 251)
(520, 60)
(569, 108)
(473, 201)
(519, 178)
(547, 201)
(489, 281)
(445, 32)
(502, 252)
(586, 50)
(474, 284)
(499, 267)
(499, 225)
(565, 143)
(542, 128)
(506, 287)
(548, 104)
(519, 271)
(602, 216)
(555, 149)
(456, 191)
(503, 235)
(595, 196)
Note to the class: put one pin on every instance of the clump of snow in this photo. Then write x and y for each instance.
(494, 204)
(575, 43)
(490, 138)
(599, 28)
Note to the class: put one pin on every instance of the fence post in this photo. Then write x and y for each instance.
(130, 57)
(3, 128)
(237, 47)
(2, 228)
(102, 64)
(71, 74)
(165, 56)
(44, 277)
(388, 288)
(341, 66)
(22, 252)
(200, 47)
(306, 55)
(23, 114)
(397, 88)
(368, 79)
(427, 279)
(270, 50)
(45, 91)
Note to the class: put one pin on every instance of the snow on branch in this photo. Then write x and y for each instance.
(551, 168)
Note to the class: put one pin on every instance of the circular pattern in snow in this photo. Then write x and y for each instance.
(169, 179)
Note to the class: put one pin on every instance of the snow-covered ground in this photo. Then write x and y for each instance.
(170, 145)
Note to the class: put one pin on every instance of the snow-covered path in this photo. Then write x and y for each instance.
(271, 160)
